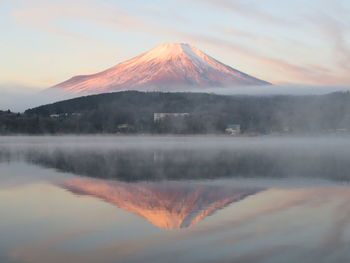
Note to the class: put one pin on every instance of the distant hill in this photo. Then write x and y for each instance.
(167, 67)
(208, 113)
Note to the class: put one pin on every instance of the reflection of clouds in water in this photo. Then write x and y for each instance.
(335, 246)
(272, 226)
(283, 222)
(16, 174)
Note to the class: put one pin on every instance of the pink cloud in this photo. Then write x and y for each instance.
(278, 68)
(310, 74)
(241, 8)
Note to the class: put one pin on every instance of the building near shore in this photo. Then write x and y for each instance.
(233, 129)
(160, 116)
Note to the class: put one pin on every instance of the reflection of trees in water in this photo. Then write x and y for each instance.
(133, 165)
(7, 155)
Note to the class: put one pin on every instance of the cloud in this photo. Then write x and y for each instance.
(335, 32)
(310, 74)
(18, 98)
(243, 9)
(49, 17)
(235, 32)
(286, 89)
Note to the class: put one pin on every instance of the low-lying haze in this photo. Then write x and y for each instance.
(185, 157)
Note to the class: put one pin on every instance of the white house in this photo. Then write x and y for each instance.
(233, 129)
(159, 116)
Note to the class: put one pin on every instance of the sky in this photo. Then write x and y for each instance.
(43, 43)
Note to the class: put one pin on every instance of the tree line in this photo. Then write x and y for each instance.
(132, 112)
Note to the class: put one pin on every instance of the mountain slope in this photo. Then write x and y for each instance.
(165, 67)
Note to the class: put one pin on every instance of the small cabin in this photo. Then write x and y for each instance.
(125, 128)
(54, 115)
(233, 129)
(59, 115)
(160, 116)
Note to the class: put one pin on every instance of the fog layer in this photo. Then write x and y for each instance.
(171, 157)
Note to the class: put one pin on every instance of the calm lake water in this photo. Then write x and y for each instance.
(174, 199)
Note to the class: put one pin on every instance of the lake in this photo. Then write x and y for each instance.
(174, 199)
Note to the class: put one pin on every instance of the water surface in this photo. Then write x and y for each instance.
(174, 199)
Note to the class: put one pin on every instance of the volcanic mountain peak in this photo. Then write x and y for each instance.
(169, 51)
(167, 66)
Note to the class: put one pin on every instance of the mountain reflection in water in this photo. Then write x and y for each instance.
(44, 219)
(168, 205)
(280, 200)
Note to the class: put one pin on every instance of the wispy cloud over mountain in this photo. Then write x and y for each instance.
(280, 42)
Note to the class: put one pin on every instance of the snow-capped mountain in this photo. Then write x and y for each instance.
(166, 67)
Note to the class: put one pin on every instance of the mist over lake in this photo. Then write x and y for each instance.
(199, 198)
(133, 158)
(213, 131)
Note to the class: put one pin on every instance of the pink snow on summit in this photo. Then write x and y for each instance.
(164, 68)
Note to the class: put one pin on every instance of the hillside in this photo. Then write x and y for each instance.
(209, 113)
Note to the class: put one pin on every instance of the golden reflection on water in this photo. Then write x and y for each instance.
(168, 205)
